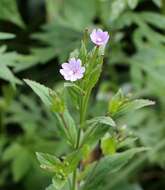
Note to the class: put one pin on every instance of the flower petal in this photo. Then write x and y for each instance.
(73, 70)
(65, 65)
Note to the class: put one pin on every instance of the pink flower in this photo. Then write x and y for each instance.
(99, 37)
(72, 70)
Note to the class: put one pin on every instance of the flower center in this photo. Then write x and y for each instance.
(99, 39)
(71, 72)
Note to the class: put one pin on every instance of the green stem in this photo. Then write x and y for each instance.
(74, 187)
(83, 109)
(75, 172)
(78, 138)
(85, 105)
(74, 180)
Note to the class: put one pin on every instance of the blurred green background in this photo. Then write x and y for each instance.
(36, 36)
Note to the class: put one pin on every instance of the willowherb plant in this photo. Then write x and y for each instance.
(74, 170)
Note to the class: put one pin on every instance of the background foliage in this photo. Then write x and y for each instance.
(35, 37)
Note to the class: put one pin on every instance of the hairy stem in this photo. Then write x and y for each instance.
(83, 109)
(74, 187)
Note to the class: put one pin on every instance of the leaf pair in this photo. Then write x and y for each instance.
(61, 168)
(121, 104)
(96, 128)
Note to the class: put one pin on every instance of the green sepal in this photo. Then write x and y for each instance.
(59, 181)
(58, 104)
(108, 145)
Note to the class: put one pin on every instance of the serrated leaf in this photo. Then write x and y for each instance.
(9, 11)
(6, 74)
(93, 78)
(25, 61)
(94, 67)
(132, 3)
(83, 51)
(20, 165)
(7, 60)
(157, 20)
(37, 56)
(58, 31)
(96, 128)
(54, 102)
(49, 97)
(106, 120)
(42, 91)
(121, 104)
(116, 102)
(11, 152)
(6, 36)
(136, 104)
(70, 12)
(48, 162)
(158, 2)
(55, 165)
(60, 168)
(128, 142)
(71, 127)
(109, 164)
(117, 7)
